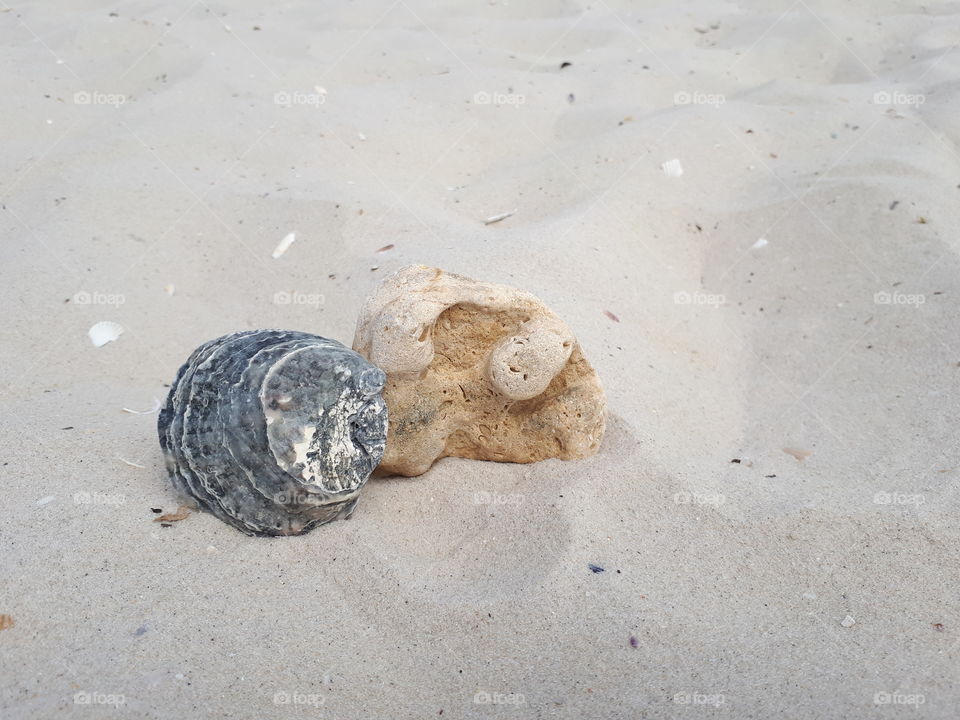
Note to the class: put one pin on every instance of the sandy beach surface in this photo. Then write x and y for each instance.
(746, 211)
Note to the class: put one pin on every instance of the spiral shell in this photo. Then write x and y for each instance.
(274, 432)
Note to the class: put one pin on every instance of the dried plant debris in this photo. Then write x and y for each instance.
(6, 622)
(800, 455)
(181, 514)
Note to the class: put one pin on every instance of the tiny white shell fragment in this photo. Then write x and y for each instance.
(848, 622)
(104, 332)
(762, 242)
(497, 218)
(170, 289)
(131, 464)
(45, 500)
(284, 245)
(150, 411)
(672, 168)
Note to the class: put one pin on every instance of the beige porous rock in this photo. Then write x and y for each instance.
(478, 371)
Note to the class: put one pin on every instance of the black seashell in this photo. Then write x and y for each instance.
(274, 432)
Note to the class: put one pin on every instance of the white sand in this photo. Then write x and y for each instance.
(738, 599)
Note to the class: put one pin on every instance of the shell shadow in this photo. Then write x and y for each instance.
(477, 531)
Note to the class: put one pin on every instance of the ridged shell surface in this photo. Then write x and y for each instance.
(274, 432)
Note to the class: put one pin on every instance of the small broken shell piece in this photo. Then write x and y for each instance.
(104, 332)
(283, 245)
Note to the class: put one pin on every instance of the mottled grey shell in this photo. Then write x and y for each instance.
(274, 432)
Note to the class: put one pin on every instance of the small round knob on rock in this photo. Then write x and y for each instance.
(523, 366)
